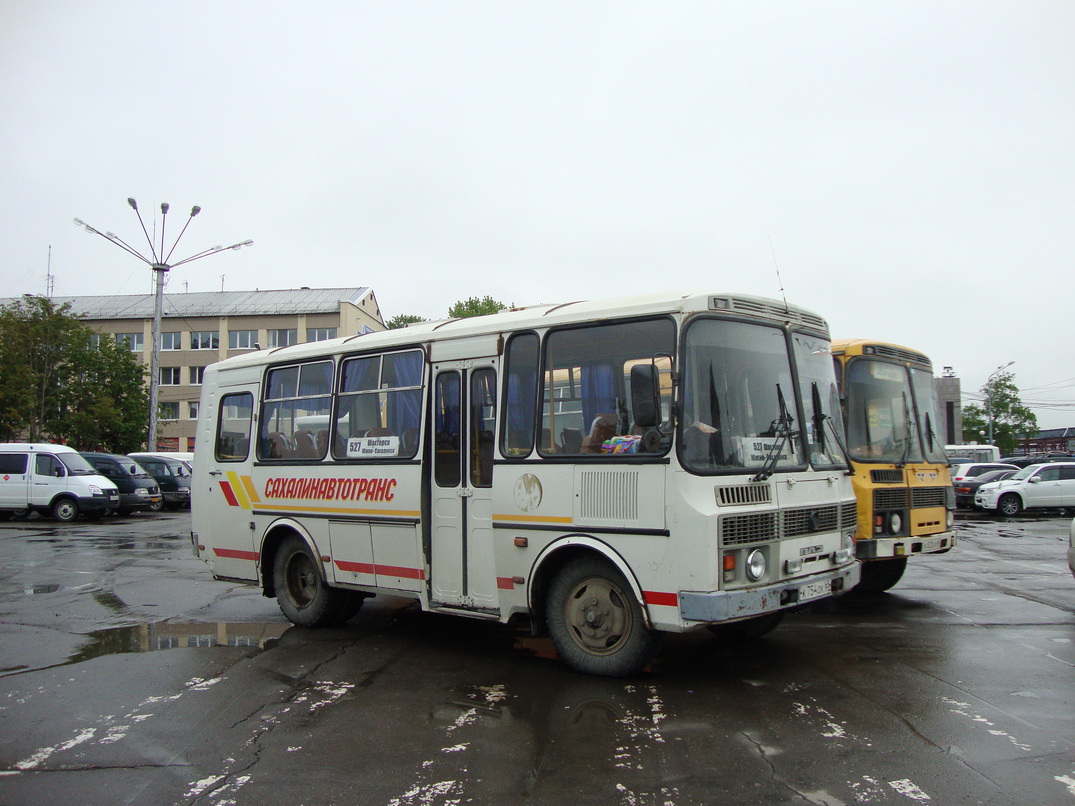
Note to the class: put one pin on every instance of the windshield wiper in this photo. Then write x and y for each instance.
(782, 426)
(908, 436)
(822, 418)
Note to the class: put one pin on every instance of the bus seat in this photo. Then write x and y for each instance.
(305, 447)
(603, 427)
(571, 439)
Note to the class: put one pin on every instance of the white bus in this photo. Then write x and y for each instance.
(611, 470)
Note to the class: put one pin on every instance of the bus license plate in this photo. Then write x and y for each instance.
(814, 590)
(931, 545)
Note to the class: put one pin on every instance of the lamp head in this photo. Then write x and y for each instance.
(164, 208)
(133, 204)
(195, 210)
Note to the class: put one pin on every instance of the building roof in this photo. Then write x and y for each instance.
(216, 303)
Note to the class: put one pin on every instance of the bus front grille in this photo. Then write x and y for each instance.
(922, 497)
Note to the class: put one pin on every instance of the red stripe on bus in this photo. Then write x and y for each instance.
(382, 570)
(358, 568)
(398, 571)
(236, 554)
(660, 598)
(229, 494)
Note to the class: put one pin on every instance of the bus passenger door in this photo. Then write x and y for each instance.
(464, 410)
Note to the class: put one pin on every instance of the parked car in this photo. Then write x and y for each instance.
(966, 488)
(172, 476)
(51, 479)
(969, 470)
(137, 489)
(1034, 487)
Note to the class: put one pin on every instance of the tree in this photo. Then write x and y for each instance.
(1011, 420)
(58, 383)
(475, 307)
(402, 320)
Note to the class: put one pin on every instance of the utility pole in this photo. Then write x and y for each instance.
(158, 262)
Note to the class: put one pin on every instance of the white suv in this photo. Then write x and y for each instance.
(1035, 486)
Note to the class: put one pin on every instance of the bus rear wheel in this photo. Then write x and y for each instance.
(880, 575)
(303, 595)
(595, 621)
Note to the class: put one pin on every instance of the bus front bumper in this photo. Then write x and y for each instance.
(717, 606)
(886, 547)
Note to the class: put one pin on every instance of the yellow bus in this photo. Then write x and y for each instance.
(900, 471)
(610, 471)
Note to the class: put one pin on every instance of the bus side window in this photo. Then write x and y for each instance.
(233, 427)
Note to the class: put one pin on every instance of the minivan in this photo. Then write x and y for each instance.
(137, 489)
(172, 476)
(51, 479)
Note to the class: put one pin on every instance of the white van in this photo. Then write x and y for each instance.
(53, 479)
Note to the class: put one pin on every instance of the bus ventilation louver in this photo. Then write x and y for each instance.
(737, 530)
(794, 315)
(608, 496)
(922, 497)
(744, 494)
(900, 354)
(884, 500)
(887, 476)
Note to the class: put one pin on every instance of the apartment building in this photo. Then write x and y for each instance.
(201, 328)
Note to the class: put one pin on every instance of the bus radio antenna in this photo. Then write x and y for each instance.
(778, 280)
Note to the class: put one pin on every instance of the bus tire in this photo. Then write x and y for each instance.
(1009, 505)
(595, 622)
(749, 629)
(65, 509)
(880, 575)
(301, 592)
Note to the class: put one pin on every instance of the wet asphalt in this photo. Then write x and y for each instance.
(128, 675)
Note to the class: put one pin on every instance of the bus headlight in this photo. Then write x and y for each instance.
(845, 554)
(895, 523)
(95, 490)
(951, 519)
(755, 565)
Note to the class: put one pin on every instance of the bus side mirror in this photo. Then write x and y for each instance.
(645, 403)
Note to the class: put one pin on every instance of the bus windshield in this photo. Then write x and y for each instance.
(821, 399)
(880, 412)
(739, 409)
(926, 402)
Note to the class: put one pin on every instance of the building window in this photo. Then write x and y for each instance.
(283, 338)
(171, 341)
(242, 339)
(170, 377)
(320, 333)
(95, 341)
(196, 374)
(192, 408)
(204, 340)
(169, 410)
(134, 340)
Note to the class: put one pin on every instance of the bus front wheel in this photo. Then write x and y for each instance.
(595, 621)
(880, 575)
(300, 590)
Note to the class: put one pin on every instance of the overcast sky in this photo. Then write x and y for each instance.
(908, 167)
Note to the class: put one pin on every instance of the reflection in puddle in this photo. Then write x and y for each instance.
(165, 635)
(37, 590)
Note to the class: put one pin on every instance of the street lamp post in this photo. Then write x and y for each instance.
(160, 265)
(989, 396)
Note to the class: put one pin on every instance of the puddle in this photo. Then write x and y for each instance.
(165, 635)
